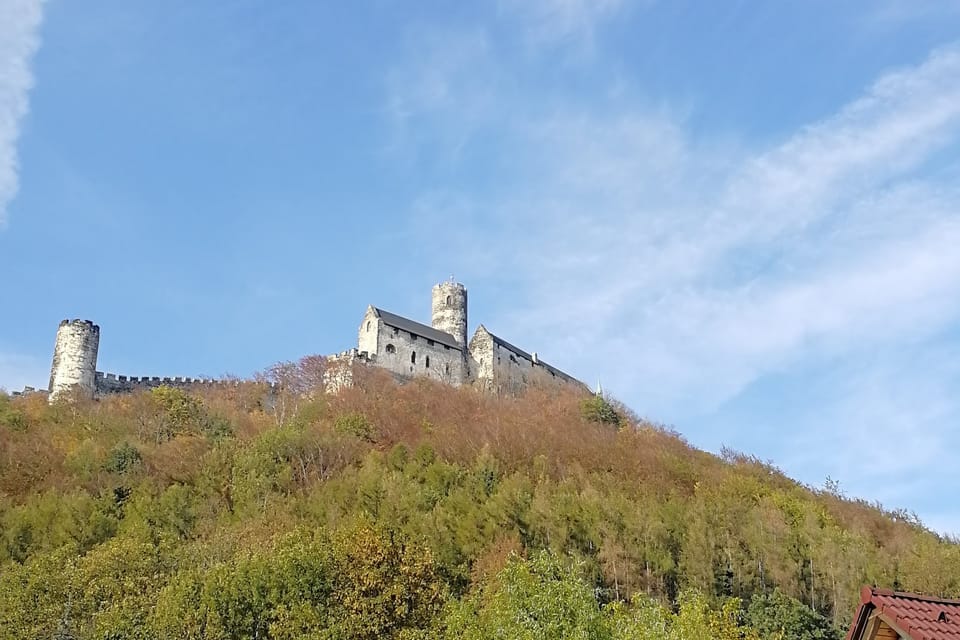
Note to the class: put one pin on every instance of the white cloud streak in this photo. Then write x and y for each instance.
(19, 40)
(711, 276)
(552, 22)
(684, 270)
(446, 89)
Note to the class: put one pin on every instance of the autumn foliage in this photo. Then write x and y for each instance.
(277, 510)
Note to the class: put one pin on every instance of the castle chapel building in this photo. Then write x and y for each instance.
(440, 351)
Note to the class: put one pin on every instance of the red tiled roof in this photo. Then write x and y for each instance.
(920, 617)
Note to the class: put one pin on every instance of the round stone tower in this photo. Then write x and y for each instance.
(450, 310)
(75, 359)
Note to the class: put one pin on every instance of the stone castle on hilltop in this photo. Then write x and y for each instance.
(404, 347)
(440, 351)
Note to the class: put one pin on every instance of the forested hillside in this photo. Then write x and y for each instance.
(418, 511)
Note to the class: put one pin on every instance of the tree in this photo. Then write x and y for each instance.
(777, 616)
(386, 585)
(543, 598)
(597, 408)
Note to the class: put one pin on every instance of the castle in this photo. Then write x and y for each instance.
(404, 347)
(440, 351)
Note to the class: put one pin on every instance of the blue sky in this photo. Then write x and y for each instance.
(743, 217)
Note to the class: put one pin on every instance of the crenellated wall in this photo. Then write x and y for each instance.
(107, 383)
(338, 372)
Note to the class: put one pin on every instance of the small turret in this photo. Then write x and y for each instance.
(75, 359)
(449, 310)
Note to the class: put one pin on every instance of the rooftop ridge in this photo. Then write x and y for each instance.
(867, 593)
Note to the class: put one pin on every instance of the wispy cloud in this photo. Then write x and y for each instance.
(561, 22)
(444, 90)
(718, 265)
(684, 269)
(19, 25)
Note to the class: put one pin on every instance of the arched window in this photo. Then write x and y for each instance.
(413, 357)
(391, 348)
(427, 362)
(368, 326)
(449, 299)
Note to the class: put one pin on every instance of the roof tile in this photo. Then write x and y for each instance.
(921, 617)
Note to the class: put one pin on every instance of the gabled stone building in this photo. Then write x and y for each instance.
(440, 350)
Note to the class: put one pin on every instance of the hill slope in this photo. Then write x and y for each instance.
(417, 511)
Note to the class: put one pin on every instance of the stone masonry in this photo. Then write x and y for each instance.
(74, 368)
(404, 347)
(440, 351)
(75, 359)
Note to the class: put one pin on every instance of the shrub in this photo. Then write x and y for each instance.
(597, 408)
(11, 417)
(354, 424)
(122, 458)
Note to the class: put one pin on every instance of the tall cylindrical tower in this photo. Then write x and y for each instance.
(449, 310)
(75, 359)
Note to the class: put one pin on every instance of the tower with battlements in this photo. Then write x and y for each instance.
(74, 365)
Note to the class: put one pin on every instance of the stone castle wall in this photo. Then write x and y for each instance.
(502, 368)
(338, 372)
(368, 335)
(107, 383)
(515, 370)
(482, 356)
(408, 355)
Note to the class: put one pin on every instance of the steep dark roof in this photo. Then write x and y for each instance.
(520, 352)
(422, 330)
(920, 617)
